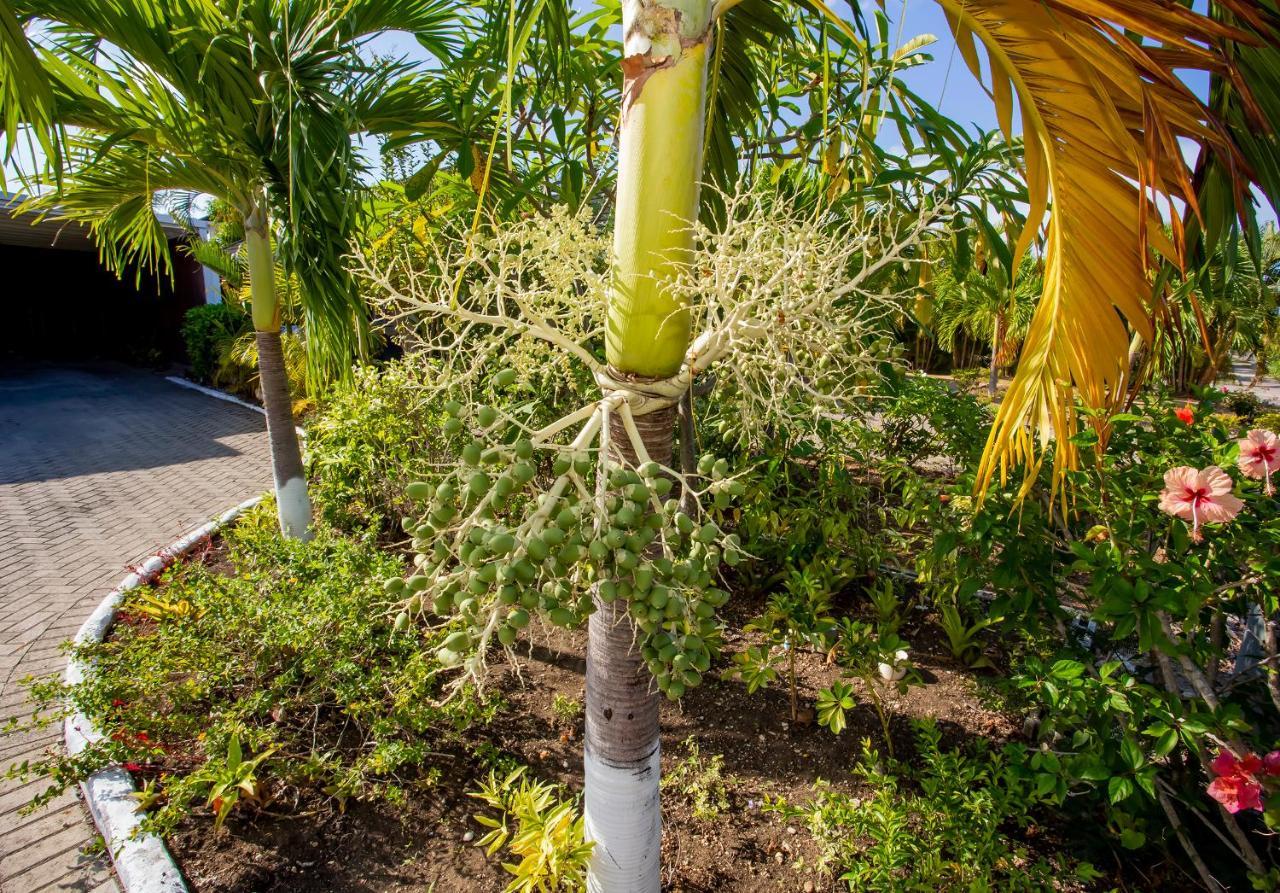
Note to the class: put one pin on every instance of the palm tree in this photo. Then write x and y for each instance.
(980, 303)
(1101, 116)
(252, 102)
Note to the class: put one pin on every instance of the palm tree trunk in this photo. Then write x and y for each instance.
(659, 170)
(622, 751)
(293, 506)
(993, 380)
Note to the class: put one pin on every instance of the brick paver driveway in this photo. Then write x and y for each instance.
(99, 466)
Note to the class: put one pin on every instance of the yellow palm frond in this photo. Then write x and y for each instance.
(1101, 118)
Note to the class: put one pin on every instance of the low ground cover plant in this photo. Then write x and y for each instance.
(941, 822)
(275, 674)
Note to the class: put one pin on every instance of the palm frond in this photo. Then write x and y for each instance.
(1102, 112)
(26, 97)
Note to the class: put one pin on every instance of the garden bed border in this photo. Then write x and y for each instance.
(142, 862)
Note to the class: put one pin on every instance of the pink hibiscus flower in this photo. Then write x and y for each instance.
(1236, 786)
(1259, 456)
(1201, 497)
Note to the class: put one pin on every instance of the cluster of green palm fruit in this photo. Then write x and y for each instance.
(493, 548)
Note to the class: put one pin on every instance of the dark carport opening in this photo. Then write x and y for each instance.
(61, 304)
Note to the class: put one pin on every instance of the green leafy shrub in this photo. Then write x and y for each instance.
(939, 824)
(284, 671)
(1243, 403)
(368, 441)
(1269, 421)
(920, 418)
(208, 330)
(1112, 618)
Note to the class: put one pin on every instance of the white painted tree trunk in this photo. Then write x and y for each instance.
(624, 818)
(293, 505)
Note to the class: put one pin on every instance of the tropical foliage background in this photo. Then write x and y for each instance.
(631, 319)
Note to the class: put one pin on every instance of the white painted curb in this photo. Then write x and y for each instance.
(213, 392)
(142, 861)
(223, 395)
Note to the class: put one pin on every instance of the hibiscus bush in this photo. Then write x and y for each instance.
(1136, 607)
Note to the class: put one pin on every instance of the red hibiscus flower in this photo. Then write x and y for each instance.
(1186, 414)
(1236, 786)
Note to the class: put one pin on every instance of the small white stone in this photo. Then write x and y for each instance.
(468, 837)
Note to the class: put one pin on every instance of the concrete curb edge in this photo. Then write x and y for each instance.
(142, 862)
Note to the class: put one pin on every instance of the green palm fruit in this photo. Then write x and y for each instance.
(419, 491)
(504, 379)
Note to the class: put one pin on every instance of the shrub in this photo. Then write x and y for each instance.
(1243, 403)
(369, 440)
(208, 330)
(1269, 421)
(534, 824)
(1116, 616)
(222, 689)
(936, 825)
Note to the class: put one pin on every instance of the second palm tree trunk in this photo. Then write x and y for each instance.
(659, 170)
(293, 505)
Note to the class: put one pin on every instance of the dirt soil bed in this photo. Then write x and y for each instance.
(307, 845)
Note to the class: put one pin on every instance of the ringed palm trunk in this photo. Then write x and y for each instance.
(293, 506)
(659, 170)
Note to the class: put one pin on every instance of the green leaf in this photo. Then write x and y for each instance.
(1119, 788)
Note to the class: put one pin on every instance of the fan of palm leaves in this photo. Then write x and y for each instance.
(233, 98)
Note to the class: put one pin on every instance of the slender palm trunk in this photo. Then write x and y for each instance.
(993, 380)
(621, 747)
(659, 170)
(293, 506)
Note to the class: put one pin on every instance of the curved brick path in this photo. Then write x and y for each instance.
(99, 466)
